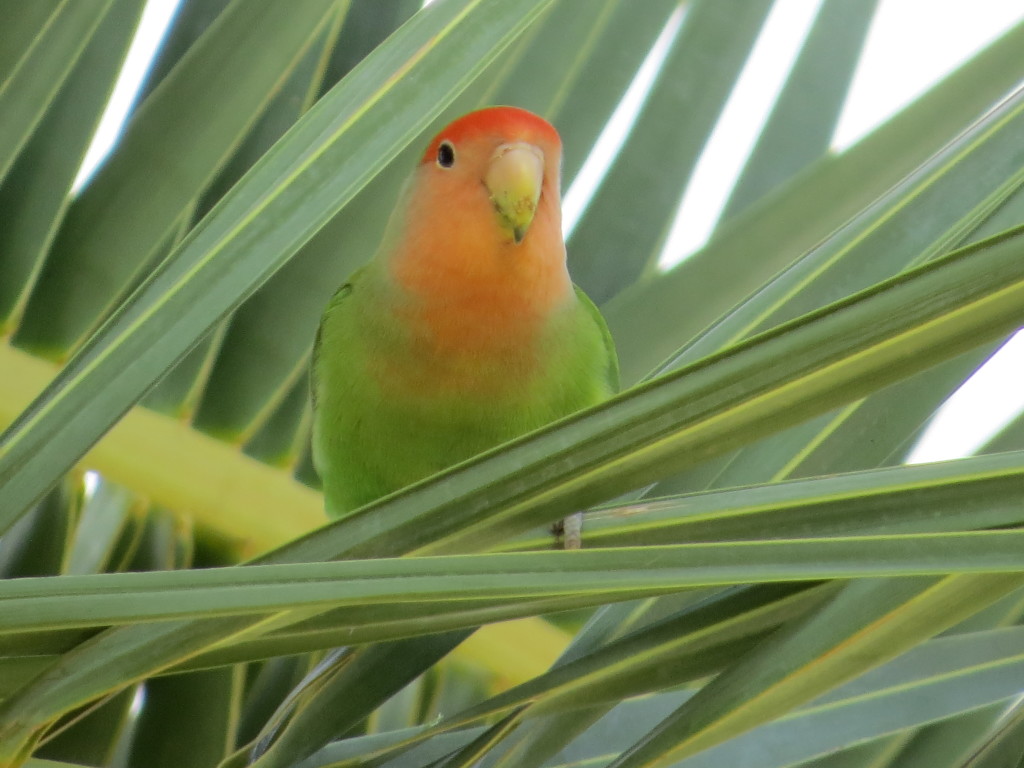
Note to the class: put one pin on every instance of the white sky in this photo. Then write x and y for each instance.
(156, 17)
(741, 121)
(593, 171)
(911, 45)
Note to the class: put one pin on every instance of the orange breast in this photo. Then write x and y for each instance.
(469, 291)
(477, 307)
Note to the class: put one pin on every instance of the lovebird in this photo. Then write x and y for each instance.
(464, 330)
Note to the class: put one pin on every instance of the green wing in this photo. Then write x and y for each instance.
(336, 299)
(609, 344)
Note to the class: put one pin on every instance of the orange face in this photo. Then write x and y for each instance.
(480, 251)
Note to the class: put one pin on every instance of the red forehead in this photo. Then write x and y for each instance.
(513, 122)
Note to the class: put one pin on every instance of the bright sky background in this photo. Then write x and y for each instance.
(156, 18)
(911, 44)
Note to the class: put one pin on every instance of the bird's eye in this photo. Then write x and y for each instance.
(446, 154)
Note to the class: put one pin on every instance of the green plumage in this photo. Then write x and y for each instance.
(373, 434)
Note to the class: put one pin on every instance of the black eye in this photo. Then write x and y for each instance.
(446, 155)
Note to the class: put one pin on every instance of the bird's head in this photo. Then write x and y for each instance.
(476, 238)
(499, 164)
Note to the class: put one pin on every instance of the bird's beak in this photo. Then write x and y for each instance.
(514, 178)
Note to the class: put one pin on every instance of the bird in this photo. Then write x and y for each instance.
(464, 329)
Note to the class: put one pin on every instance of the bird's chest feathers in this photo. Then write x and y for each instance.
(472, 314)
(476, 339)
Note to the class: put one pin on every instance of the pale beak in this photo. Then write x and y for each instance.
(514, 179)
